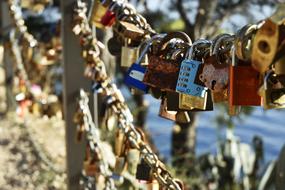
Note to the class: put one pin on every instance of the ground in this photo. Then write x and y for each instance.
(32, 153)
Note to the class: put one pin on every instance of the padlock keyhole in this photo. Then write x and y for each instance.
(264, 46)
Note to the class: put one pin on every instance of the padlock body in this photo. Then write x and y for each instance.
(274, 98)
(128, 56)
(98, 11)
(134, 77)
(164, 113)
(120, 165)
(280, 66)
(109, 18)
(244, 85)
(161, 73)
(189, 102)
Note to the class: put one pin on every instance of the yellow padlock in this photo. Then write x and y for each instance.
(98, 11)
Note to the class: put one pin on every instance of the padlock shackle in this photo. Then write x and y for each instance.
(149, 43)
(214, 42)
(191, 50)
(266, 78)
(233, 53)
(217, 44)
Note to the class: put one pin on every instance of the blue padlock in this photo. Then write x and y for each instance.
(187, 74)
(135, 74)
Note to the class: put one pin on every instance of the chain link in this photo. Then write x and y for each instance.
(94, 140)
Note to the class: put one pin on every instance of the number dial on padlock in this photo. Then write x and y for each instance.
(186, 80)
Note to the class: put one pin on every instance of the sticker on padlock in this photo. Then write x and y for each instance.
(186, 79)
(135, 76)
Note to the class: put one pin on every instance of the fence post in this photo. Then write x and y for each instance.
(72, 81)
(5, 22)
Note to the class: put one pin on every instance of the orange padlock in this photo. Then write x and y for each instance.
(244, 83)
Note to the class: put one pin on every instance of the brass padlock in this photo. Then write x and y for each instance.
(279, 66)
(133, 157)
(129, 54)
(189, 102)
(186, 102)
(273, 92)
(98, 11)
(265, 45)
(120, 165)
(129, 30)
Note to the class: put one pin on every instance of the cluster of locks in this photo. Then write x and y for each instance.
(133, 154)
(33, 83)
(244, 69)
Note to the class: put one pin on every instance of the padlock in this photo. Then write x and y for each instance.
(178, 101)
(119, 142)
(164, 113)
(135, 74)
(133, 157)
(214, 75)
(279, 66)
(265, 45)
(129, 54)
(109, 17)
(120, 165)
(189, 102)
(98, 11)
(189, 75)
(143, 171)
(273, 92)
(129, 30)
(244, 83)
(161, 67)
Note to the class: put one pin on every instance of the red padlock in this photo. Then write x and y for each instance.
(109, 17)
(244, 83)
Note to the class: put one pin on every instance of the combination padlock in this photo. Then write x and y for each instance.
(187, 82)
